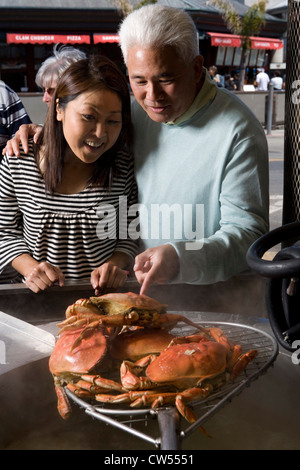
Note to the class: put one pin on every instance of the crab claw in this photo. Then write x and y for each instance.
(86, 333)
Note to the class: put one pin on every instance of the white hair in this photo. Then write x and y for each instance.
(159, 26)
(52, 68)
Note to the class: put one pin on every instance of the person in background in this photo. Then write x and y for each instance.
(12, 114)
(236, 79)
(277, 80)
(229, 83)
(215, 76)
(262, 80)
(52, 68)
(57, 227)
(47, 77)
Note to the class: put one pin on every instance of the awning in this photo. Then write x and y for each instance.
(24, 38)
(104, 37)
(233, 40)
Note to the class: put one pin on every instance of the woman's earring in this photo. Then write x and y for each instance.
(58, 111)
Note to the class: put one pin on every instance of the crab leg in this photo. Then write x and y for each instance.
(82, 307)
(170, 320)
(128, 397)
(178, 399)
(77, 321)
(220, 337)
(162, 398)
(197, 338)
(86, 333)
(236, 353)
(187, 413)
(107, 384)
(130, 380)
(90, 387)
(242, 363)
(63, 404)
(79, 391)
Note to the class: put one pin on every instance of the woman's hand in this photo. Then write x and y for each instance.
(111, 274)
(21, 137)
(108, 275)
(43, 276)
(38, 276)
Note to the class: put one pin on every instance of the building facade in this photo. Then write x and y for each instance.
(30, 28)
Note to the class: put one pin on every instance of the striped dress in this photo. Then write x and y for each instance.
(76, 232)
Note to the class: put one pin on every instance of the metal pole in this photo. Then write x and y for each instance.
(270, 109)
(291, 187)
(169, 425)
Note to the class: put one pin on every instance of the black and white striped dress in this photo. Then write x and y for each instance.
(77, 232)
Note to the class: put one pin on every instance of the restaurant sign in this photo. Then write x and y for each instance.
(25, 38)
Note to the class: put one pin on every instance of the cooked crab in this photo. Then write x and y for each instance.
(117, 310)
(190, 368)
(70, 365)
(86, 344)
(176, 370)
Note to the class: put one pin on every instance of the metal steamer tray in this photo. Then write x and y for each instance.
(172, 429)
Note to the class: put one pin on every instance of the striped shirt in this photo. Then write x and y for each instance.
(76, 232)
(12, 114)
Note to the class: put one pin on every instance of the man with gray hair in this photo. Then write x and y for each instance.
(196, 145)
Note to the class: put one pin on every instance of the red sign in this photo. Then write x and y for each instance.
(265, 43)
(32, 38)
(102, 38)
(225, 40)
(233, 40)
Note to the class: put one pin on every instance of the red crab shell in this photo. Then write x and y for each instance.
(119, 302)
(80, 360)
(140, 342)
(186, 364)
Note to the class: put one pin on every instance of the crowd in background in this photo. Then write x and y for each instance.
(262, 80)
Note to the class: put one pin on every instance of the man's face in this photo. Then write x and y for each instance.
(162, 84)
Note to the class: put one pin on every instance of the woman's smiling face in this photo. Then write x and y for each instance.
(92, 123)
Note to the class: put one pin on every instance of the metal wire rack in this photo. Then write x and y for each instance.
(171, 429)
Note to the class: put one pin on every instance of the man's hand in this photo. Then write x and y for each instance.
(21, 137)
(156, 266)
(108, 276)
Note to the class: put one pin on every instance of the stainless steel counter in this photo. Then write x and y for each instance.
(242, 295)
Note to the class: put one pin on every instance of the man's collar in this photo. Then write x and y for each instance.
(205, 95)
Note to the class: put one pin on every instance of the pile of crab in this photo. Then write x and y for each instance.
(133, 333)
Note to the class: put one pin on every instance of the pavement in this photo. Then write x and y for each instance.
(276, 156)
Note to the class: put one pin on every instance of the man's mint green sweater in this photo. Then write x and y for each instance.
(209, 168)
